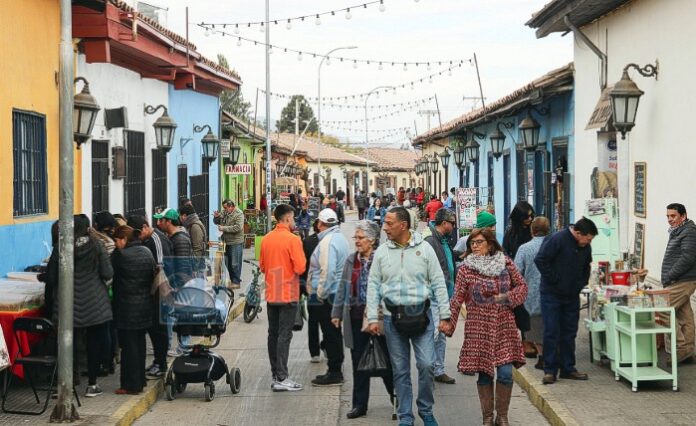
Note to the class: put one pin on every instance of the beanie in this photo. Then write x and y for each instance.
(485, 219)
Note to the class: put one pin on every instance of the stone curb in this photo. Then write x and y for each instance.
(554, 410)
(132, 409)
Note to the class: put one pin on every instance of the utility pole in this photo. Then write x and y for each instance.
(428, 113)
(65, 409)
(268, 122)
(473, 98)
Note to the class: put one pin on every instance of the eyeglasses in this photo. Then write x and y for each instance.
(478, 242)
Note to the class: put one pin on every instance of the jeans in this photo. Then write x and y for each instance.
(561, 318)
(400, 355)
(440, 346)
(333, 338)
(233, 257)
(361, 213)
(361, 380)
(281, 318)
(504, 373)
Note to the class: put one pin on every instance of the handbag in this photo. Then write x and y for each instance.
(299, 321)
(522, 320)
(410, 320)
(373, 361)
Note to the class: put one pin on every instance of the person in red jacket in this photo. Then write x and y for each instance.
(432, 207)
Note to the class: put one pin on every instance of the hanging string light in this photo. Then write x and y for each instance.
(382, 7)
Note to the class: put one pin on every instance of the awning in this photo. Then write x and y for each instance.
(601, 116)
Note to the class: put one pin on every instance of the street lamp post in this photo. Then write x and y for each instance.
(434, 165)
(444, 159)
(319, 103)
(367, 151)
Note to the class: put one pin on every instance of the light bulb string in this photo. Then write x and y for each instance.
(383, 63)
(313, 102)
(351, 129)
(293, 19)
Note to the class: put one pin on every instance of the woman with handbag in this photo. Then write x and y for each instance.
(491, 286)
(134, 272)
(349, 308)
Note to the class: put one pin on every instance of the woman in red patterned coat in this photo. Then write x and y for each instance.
(491, 286)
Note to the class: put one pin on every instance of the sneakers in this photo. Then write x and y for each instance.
(154, 372)
(93, 391)
(429, 420)
(328, 379)
(175, 352)
(315, 359)
(287, 385)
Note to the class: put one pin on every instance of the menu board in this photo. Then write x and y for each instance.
(466, 207)
(640, 178)
(313, 205)
(638, 244)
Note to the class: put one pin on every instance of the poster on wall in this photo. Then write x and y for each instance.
(638, 244)
(466, 207)
(640, 177)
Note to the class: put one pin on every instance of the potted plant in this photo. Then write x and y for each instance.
(257, 227)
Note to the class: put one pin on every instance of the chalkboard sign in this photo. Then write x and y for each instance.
(313, 206)
(639, 244)
(640, 179)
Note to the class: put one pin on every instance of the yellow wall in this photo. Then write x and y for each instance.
(29, 49)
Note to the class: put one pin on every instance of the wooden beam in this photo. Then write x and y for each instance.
(97, 51)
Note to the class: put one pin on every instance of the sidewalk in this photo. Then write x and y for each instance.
(108, 408)
(603, 401)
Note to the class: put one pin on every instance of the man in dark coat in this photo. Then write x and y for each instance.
(361, 202)
(338, 208)
(679, 276)
(564, 263)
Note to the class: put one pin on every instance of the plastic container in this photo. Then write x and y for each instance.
(620, 278)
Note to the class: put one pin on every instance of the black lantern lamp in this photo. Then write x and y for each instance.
(472, 149)
(164, 126)
(235, 149)
(625, 96)
(445, 158)
(434, 163)
(210, 142)
(85, 109)
(530, 129)
(426, 164)
(497, 138)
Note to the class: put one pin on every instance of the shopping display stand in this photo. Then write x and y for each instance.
(637, 326)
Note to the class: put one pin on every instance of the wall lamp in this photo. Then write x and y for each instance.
(625, 96)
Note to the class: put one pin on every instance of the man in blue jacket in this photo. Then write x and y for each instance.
(564, 263)
(325, 272)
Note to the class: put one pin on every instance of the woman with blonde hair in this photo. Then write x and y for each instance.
(491, 286)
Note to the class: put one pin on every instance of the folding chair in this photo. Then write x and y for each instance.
(40, 326)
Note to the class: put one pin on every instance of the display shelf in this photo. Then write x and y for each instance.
(595, 326)
(642, 327)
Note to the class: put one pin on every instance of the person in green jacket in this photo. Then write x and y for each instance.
(231, 223)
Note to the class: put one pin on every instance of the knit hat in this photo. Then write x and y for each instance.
(485, 219)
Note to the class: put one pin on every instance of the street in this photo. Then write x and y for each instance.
(244, 346)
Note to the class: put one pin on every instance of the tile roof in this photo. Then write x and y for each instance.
(122, 5)
(549, 18)
(250, 131)
(394, 159)
(553, 82)
(313, 150)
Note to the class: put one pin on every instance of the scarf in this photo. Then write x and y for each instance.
(489, 266)
(674, 228)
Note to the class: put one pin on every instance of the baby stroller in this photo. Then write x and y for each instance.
(200, 310)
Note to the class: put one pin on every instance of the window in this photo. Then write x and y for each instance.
(159, 179)
(182, 182)
(100, 176)
(134, 183)
(491, 175)
(521, 166)
(507, 176)
(199, 197)
(29, 160)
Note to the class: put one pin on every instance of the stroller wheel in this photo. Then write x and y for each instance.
(209, 391)
(235, 380)
(170, 391)
(250, 312)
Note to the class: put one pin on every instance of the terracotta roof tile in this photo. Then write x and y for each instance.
(328, 153)
(394, 159)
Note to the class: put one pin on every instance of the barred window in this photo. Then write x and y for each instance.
(134, 184)
(100, 176)
(29, 160)
(159, 179)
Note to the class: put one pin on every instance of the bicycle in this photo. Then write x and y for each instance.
(252, 302)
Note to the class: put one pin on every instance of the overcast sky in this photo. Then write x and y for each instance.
(509, 55)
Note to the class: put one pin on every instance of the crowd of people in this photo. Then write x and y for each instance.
(115, 304)
(411, 290)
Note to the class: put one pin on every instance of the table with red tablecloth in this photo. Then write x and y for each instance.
(6, 320)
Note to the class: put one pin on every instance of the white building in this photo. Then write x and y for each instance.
(609, 35)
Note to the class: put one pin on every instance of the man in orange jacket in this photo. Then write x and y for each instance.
(282, 261)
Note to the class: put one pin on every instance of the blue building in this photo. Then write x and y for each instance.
(196, 178)
(530, 159)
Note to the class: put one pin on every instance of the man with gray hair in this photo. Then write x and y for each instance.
(444, 225)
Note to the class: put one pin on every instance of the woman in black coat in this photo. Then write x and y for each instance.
(134, 271)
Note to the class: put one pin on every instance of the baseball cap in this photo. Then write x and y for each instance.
(485, 219)
(170, 214)
(328, 216)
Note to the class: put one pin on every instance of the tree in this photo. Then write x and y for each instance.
(232, 101)
(287, 116)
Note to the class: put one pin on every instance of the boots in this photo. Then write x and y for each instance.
(485, 393)
(502, 403)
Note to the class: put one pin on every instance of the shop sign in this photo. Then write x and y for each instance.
(238, 169)
(466, 207)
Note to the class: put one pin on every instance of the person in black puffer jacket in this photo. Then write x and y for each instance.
(91, 306)
(134, 271)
